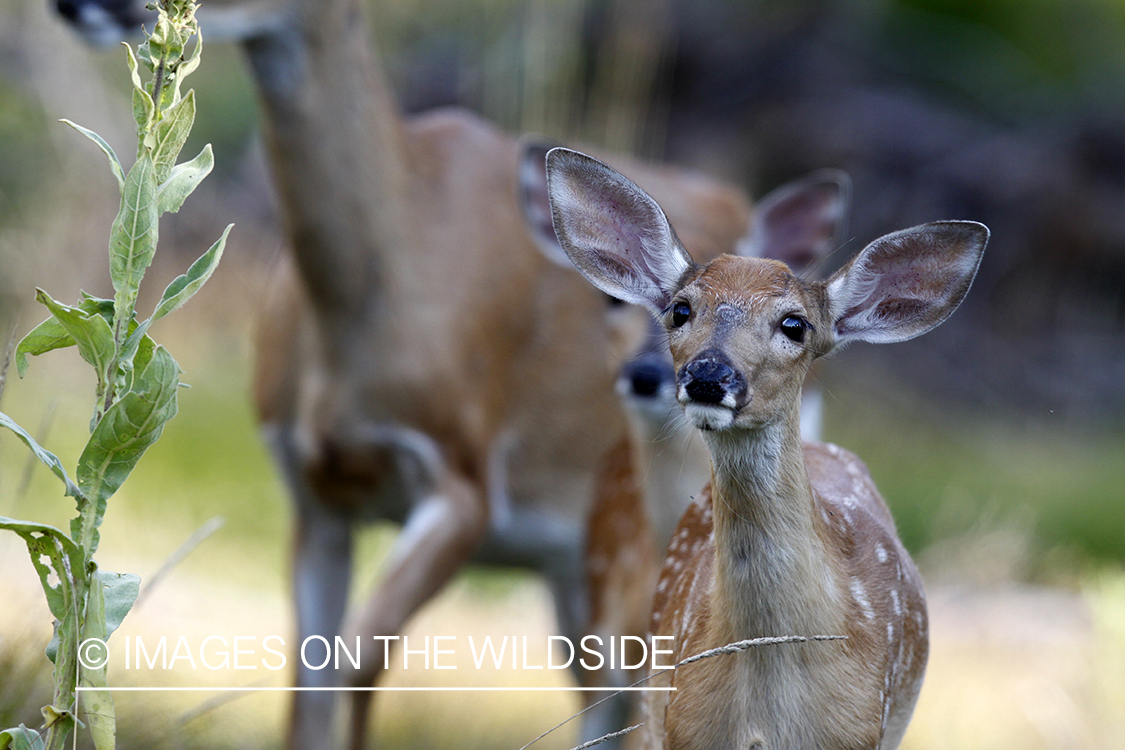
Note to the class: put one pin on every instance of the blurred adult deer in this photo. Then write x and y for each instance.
(763, 551)
(420, 361)
(649, 478)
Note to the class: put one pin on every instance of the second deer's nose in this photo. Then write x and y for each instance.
(708, 381)
(645, 378)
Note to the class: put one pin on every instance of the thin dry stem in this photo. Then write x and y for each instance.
(730, 648)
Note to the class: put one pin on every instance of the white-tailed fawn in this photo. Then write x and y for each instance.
(787, 538)
(650, 476)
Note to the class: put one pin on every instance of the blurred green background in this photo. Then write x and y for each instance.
(998, 440)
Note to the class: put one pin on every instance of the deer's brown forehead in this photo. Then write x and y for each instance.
(745, 283)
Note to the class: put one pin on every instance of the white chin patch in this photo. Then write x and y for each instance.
(709, 416)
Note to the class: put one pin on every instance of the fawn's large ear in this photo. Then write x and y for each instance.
(906, 283)
(613, 232)
(534, 203)
(801, 222)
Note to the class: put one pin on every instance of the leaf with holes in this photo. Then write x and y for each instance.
(53, 553)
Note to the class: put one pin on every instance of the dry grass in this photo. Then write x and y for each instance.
(1011, 667)
(1023, 667)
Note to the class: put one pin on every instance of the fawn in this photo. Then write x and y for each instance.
(787, 538)
(649, 477)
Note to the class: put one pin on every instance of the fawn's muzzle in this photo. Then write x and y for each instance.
(711, 380)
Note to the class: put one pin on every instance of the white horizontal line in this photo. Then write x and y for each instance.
(370, 689)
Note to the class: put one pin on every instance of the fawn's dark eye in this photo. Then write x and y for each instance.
(795, 328)
(681, 311)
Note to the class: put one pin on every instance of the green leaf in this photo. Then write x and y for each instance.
(64, 559)
(183, 179)
(21, 738)
(140, 358)
(52, 650)
(184, 286)
(137, 350)
(114, 162)
(50, 459)
(143, 108)
(45, 337)
(170, 134)
(188, 66)
(96, 701)
(120, 591)
(90, 332)
(53, 715)
(92, 304)
(122, 436)
(133, 239)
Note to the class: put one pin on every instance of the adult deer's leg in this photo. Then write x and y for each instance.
(440, 534)
(322, 552)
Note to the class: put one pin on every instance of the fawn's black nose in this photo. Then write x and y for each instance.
(708, 380)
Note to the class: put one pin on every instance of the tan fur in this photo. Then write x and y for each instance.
(786, 540)
(644, 490)
(645, 483)
(420, 352)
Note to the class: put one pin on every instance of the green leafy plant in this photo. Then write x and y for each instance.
(137, 381)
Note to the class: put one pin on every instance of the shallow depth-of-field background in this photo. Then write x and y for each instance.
(997, 440)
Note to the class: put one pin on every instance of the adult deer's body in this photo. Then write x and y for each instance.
(421, 362)
(764, 551)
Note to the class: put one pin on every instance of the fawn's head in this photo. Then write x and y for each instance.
(799, 223)
(744, 331)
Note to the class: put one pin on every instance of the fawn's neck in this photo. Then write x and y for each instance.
(774, 574)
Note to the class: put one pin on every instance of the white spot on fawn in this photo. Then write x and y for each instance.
(860, 596)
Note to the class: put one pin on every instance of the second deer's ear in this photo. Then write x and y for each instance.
(801, 222)
(534, 203)
(614, 233)
(906, 283)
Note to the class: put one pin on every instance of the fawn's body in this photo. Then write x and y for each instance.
(861, 690)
